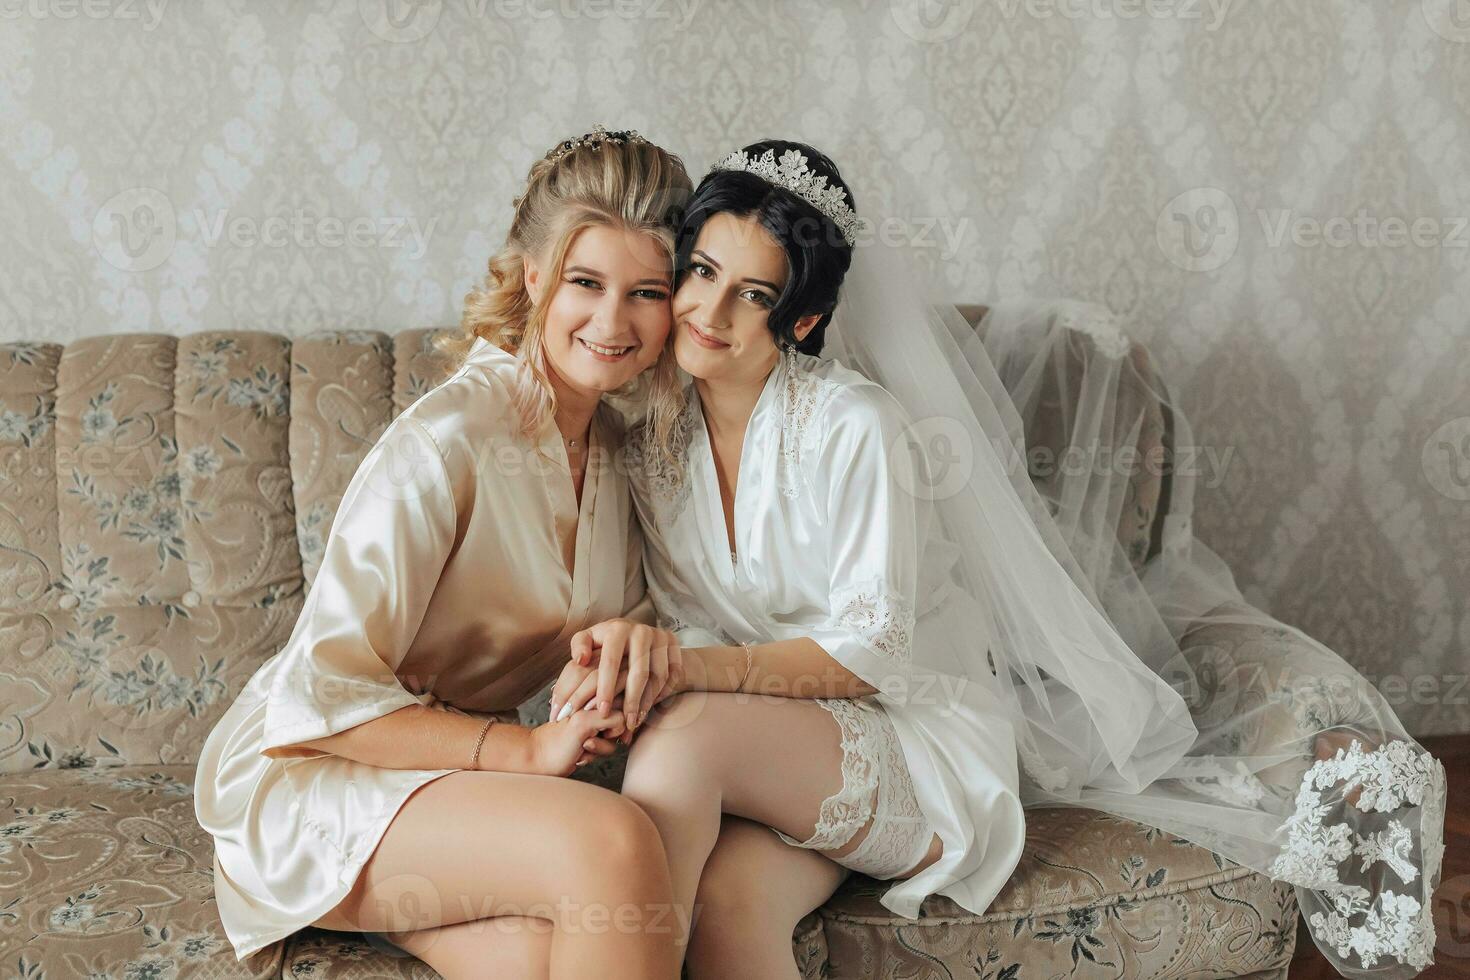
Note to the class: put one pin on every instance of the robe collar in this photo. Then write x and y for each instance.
(484, 352)
(601, 433)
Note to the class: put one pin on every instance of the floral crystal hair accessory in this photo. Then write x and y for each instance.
(595, 139)
(792, 173)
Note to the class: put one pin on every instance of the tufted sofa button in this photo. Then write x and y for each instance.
(67, 601)
(191, 598)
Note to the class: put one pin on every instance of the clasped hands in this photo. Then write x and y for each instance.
(617, 666)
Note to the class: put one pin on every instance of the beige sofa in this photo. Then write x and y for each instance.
(163, 507)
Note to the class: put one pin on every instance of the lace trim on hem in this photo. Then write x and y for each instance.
(900, 830)
(843, 813)
(1390, 777)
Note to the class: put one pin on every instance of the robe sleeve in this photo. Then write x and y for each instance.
(392, 534)
(863, 475)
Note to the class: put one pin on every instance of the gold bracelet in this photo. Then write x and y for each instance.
(475, 756)
(749, 662)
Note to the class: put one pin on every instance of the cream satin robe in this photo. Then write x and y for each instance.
(445, 581)
(827, 533)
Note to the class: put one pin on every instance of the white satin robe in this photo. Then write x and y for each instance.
(444, 582)
(827, 539)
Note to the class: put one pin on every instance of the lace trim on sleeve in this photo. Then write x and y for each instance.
(882, 619)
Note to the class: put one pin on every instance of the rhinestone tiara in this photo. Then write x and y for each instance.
(792, 173)
(594, 139)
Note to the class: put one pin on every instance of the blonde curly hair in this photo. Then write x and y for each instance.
(631, 185)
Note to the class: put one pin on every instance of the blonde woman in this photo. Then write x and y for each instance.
(361, 781)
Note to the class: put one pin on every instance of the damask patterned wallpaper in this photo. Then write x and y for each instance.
(1274, 196)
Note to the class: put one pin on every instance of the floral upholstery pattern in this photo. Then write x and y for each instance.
(104, 872)
(1093, 895)
(324, 955)
(163, 509)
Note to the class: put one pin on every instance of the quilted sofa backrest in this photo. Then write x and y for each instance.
(163, 506)
(164, 502)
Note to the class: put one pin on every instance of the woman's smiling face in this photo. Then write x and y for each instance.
(609, 314)
(723, 305)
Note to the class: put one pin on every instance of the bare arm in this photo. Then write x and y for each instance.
(797, 668)
(419, 737)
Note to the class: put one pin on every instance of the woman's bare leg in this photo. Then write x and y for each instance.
(771, 760)
(754, 891)
(472, 847)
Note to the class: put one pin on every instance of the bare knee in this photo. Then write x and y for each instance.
(605, 847)
(623, 837)
(617, 878)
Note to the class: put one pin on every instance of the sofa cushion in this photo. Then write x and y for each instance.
(323, 954)
(1093, 895)
(1099, 896)
(113, 685)
(320, 954)
(105, 872)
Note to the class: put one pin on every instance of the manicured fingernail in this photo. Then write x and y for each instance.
(566, 710)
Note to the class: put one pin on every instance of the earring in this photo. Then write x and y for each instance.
(788, 351)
